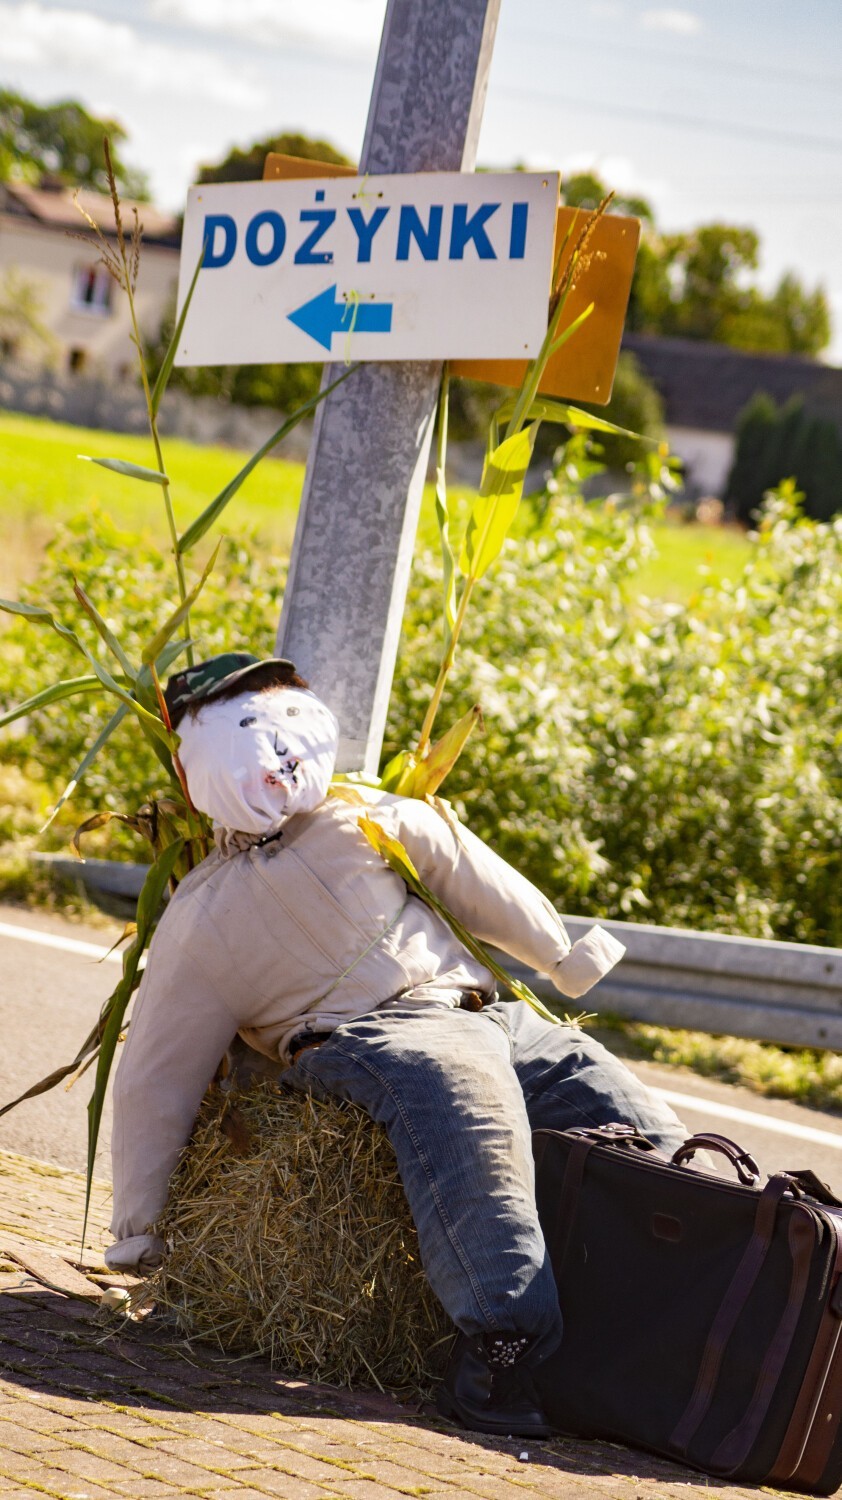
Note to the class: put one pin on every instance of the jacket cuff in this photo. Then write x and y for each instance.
(588, 960)
(142, 1252)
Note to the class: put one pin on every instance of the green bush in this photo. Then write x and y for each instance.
(775, 443)
(667, 763)
(130, 581)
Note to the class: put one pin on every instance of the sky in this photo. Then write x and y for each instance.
(726, 110)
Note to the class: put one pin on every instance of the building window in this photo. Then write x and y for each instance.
(92, 290)
(76, 361)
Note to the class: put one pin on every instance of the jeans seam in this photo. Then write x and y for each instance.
(449, 1227)
(500, 1021)
(584, 1114)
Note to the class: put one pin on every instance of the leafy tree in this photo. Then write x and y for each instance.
(700, 284)
(64, 142)
(247, 165)
(635, 404)
(586, 190)
(23, 332)
(281, 387)
(806, 315)
(776, 444)
(278, 386)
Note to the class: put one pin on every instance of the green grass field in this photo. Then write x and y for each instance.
(44, 482)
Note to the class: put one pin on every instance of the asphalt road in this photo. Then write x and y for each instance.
(52, 987)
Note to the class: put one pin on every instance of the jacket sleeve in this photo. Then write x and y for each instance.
(496, 903)
(178, 1032)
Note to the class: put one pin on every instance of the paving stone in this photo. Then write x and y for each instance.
(198, 1450)
(392, 1471)
(177, 1471)
(94, 1466)
(282, 1483)
(298, 1490)
(55, 1480)
(26, 1441)
(369, 1489)
(136, 1487)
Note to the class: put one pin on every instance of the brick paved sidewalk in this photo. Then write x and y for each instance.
(88, 1412)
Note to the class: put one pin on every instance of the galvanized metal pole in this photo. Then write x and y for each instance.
(359, 511)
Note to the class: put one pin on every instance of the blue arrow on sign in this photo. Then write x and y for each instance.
(324, 315)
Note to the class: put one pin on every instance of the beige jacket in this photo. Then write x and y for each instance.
(303, 934)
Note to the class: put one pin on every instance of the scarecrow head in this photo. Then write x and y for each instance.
(256, 744)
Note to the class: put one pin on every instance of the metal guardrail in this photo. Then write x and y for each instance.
(733, 986)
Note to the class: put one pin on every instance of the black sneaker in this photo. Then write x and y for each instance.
(488, 1387)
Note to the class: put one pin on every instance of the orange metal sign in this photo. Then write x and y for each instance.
(584, 369)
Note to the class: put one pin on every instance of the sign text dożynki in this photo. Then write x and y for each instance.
(436, 265)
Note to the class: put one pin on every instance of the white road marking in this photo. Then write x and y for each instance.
(715, 1109)
(52, 940)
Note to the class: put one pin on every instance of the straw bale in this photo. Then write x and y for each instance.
(289, 1235)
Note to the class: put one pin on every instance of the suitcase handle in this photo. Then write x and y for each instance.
(742, 1161)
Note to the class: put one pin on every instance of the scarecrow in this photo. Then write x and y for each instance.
(294, 933)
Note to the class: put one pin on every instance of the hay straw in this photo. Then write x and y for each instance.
(289, 1235)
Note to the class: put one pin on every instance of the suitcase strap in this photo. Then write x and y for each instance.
(735, 1448)
(739, 1441)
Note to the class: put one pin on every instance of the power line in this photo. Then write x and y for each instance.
(731, 128)
(698, 123)
(708, 60)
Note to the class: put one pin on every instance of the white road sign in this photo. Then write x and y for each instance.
(435, 265)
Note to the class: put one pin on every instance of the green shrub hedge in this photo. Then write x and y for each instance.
(663, 763)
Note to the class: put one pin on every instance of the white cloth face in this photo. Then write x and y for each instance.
(253, 761)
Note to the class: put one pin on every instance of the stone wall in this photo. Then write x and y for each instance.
(119, 406)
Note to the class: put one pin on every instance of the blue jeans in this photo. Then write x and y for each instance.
(459, 1093)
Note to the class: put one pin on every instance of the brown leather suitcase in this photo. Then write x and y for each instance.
(702, 1315)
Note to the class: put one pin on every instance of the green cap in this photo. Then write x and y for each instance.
(208, 678)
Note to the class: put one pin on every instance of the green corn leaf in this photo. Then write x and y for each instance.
(101, 820)
(393, 852)
(568, 333)
(577, 418)
(496, 505)
(429, 773)
(443, 514)
(132, 471)
(544, 410)
(159, 641)
(89, 1045)
(144, 685)
(212, 512)
(166, 368)
(148, 903)
(397, 772)
(39, 615)
(101, 739)
(70, 688)
(103, 630)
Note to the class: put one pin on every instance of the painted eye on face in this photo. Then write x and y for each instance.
(247, 723)
(291, 712)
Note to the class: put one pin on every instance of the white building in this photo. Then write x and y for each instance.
(58, 275)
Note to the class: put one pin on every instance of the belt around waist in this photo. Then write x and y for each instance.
(468, 1000)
